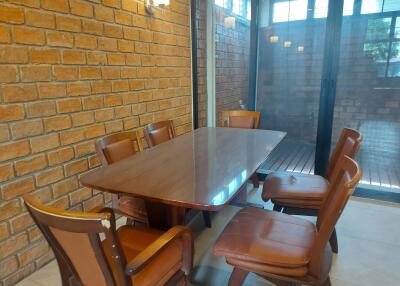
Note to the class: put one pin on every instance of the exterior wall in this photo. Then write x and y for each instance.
(201, 15)
(73, 71)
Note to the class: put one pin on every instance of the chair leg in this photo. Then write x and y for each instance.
(277, 208)
(334, 242)
(207, 219)
(254, 180)
(237, 277)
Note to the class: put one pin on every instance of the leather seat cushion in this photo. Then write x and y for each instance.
(273, 239)
(160, 269)
(292, 187)
(118, 151)
(241, 122)
(160, 136)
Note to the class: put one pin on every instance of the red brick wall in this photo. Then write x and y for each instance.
(72, 71)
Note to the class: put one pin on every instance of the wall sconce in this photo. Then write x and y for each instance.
(300, 49)
(230, 22)
(149, 4)
(287, 44)
(273, 39)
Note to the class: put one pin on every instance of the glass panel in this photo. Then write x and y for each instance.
(378, 29)
(222, 3)
(391, 5)
(321, 8)
(248, 16)
(397, 29)
(369, 101)
(237, 7)
(371, 6)
(289, 11)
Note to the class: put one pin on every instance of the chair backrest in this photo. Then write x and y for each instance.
(340, 189)
(160, 132)
(118, 146)
(75, 239)
(241, 119)
(348, 145)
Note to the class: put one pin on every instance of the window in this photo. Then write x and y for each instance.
(222, 3)
(248, 16)
(379, 6)
(321, 8)
(382, 45)
(240, 8)
(237, 7)
(292, 10)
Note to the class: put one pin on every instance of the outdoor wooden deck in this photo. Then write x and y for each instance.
(380, 169)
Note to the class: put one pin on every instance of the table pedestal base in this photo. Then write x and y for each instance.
(161, 216)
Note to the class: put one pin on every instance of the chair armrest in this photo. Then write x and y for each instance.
(151, 251)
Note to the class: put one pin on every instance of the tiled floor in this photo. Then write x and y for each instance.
(369, 249)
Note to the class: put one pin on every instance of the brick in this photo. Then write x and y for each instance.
(103, 86)
(57, 123)
(30, 36)
(120, 86)
(19, 93)
(31, 164)
(107, 44)
(113, 31)
(136, 84)
(13, 55)
(104, 114)
(58, 6)
(93, 202)
(72, 136)
(82, 118)
(128, 72)
(45, 56)
(65, 186)
(122, 111)
(8, 266)
(4, 233)
(80, 195)
(9, 209)
(116, 59)
(95, 131)
(6, 172)
(126, 46)
(133, 60)
(11, 112)
(14, 150)
(78, 89)
(40, 109)
(76, 167)
(86, 42)
(84, 149)
(69, 105)
(111, 72)
(34, 233)
(66, 73)
(26, 128)
(131, 33)
(44, 143)
(39, 19)
(104, 13)
(30, 254)
(52, 90)
(28, 3)
(96, 58)
(8, 74)
(73, 57)
(81, 8)
(5, 35)
(70, 24)
(89, 73)
(60, 39)
(112, 3)
(114, 126)
(129, 5)
(60, 156)
(36, 73)
(17, 188)
(112, 100)
(92, 27)
(123, 18)
(49, 176)
(4, 133)
(11, 15)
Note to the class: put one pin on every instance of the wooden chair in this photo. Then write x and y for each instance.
(163, 131)
(112, 149)
(303, 194)
(285, 249)
(160, 132)
(241, 119)
(126, 257)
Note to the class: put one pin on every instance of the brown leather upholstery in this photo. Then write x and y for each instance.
(278, 246)
(308, 191)
(112, 149)
(160, 132)
(127, 257)
(241, 119)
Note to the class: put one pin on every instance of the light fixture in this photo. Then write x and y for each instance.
(300, 49)
(273, 39)
(149, 4)
(287, 44)
(230, 22)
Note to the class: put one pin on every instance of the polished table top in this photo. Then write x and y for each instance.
(203, 169)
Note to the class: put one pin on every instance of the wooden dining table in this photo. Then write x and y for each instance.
(203, 170)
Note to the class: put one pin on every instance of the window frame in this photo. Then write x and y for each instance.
(243, 14)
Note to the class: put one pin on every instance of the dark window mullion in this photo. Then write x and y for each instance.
(391, 40)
